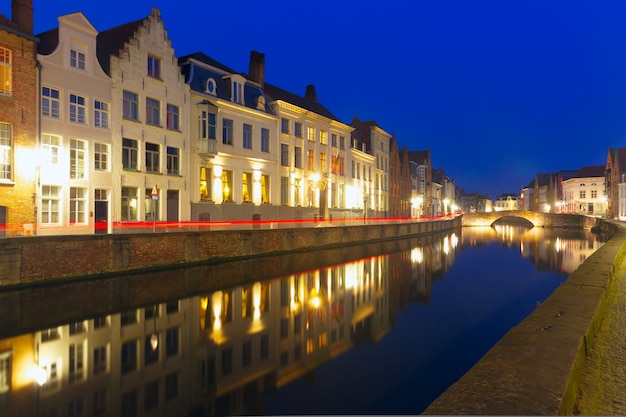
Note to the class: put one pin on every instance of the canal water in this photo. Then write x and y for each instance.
(372, 329)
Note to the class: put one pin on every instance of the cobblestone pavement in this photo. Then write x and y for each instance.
(603, 386)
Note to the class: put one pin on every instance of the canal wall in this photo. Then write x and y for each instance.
(31, 260)
(536, 368)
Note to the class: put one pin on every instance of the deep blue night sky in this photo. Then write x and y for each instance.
(498, 90)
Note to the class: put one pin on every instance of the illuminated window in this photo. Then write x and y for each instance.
(323, 137)
(77, 109)
(227, 131)
(265, 189)
(247, 136)
(101, 156)
(173, 161)
(101, 114)
(323, 161)
(50, 334)
(77, 59)
(173, 117)
(227, 186)
(6, 67)
(130, 106)
(129, 204)
(129, 154)
(77, 205)
(205, 184)
(6, 151)
(50, 202)
(50, 102)
(309, 160)
(154, 67)
(77, 158)
(76, 361)
(246, 186)
(152, 157)
(310, 133)
(5, 375)
(284, 154)
(153, 111)
(265, 140)
(284, 191)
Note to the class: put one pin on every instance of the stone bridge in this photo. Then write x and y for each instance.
(530, 218)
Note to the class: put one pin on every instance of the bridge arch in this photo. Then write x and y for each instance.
(537, 219)
(513, 220)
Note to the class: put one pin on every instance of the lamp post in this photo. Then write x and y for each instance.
(155, 197)
(364, 204)
(318, 181)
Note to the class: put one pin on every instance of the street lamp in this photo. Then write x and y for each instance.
(318, 181)
(364, 203)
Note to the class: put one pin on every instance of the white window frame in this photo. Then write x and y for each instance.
(101, 156)
(101, 114)
(78, 156)
(51, 147)
(50, 204)
(78, 109)
(78, 204)
(6, 151)
(50, 102)
(77, 59)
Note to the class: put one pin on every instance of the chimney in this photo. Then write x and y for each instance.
(22, 14)
(310, 94)
(256, 69)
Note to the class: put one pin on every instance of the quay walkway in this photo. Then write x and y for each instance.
(568, 357)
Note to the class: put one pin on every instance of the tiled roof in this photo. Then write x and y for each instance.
(276, 93)
(202, 57)
(590, 171)
(48, 41)
(111, 41)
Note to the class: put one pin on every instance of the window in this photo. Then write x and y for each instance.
(227, 186)
(298, 129)
(130, 106)
(310, 133)
(284, 125)
(247, 136)
(77, 59)
(154, 67)
(153, 111)
(173, 117)
(77, 205)
(152, 157)
(129, 204)
(342, 142)
(237, 92)
(583, 194)
(171, 341)
(323, 137)
(333, 140)
(6, 150)
(77, 158)
(101, 114)
(246, 354)
(50, 145)
(594, 193)
(322, 161)
(208, 125)
(129, 153)
(246, 187)
(205, 184)
(50, 334)
(284, 191)
(6, 66)
(309, 160)
(171, 386)
(265, 346)
(173, 161)
(284, 154)
(77, 109)
(298, 157)
(227, 361)
(5, 377)
(99, 360)
(297, 192)
(129, 356)
(99, 402)
(75, 407)
(151, 395)
(227, 131)
(76, 362)
(50, 197)
(101, 156)
(265, 140)
(129, 404)
(265, 189)
(50, 102)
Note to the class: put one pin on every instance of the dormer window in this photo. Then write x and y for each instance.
(261, 103)
(210, 87)
(237, 83)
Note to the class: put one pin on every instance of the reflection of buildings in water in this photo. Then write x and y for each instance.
(217, 353)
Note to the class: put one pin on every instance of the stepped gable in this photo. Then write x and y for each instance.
(111, 41)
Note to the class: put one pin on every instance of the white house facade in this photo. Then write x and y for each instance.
(583, 193)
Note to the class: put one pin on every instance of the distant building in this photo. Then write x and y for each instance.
(506, 202)
(544, 191)
(583, 193)
(423, 171)
(614, 170)
(474, 202)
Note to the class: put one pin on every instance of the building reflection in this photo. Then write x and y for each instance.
(219, 352)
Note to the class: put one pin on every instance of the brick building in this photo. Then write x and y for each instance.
(18, 120)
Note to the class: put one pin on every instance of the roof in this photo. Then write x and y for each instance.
(48, 41)
(419, 157)
(276, 93)
(590, 171)
(111, 41)
(202, 57)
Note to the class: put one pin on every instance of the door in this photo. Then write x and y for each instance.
(101, 212)
(172, 205)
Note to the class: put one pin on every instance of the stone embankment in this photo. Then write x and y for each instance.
(33, 260)
(537, 367)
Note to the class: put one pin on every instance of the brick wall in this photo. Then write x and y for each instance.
(31, 259)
